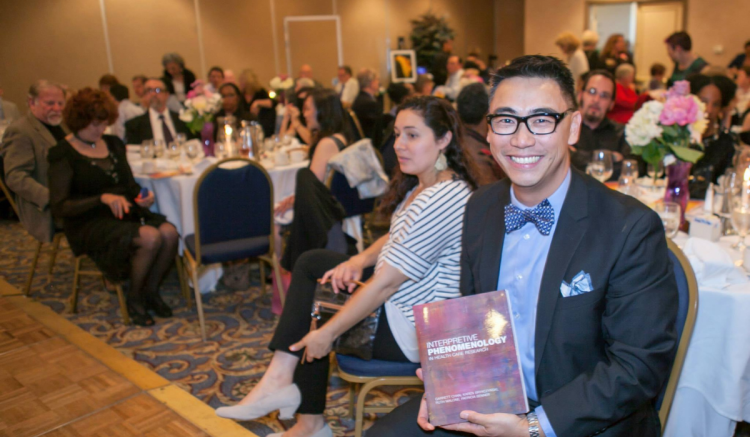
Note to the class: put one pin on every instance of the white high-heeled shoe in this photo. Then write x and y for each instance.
(324, 432)
(286, 400)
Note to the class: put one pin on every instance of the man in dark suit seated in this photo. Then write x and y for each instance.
(597, 131)
(586, 268)
(366, 106)
(158, 123)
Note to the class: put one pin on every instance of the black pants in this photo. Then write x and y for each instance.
(312, 378)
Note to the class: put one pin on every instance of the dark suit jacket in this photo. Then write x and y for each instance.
(368, 111)
(139, 128)
(601, 358)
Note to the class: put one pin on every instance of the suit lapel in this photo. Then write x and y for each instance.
(42, 130)
(492, 241)
(570, 229)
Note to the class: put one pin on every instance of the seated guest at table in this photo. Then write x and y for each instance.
(159, 123)
(658, 72)
(742, 59)
(414, 263)
(8, 110)
(292, 123)
(107, 81)
(590, 40)
(614, 53)
(178, 79)
(306, 72)
(139, 89)
(366, 106)
(455, 73)
(597, 131)
(717, 93)
(215, 79)
(347, 86)
(258, 102)
(424, 85)
(384, 138)
(625, 96)
(593, 360)
(472, 105)
(233, 105)
(484, 72)
(93, 192)
(315, 209)
(126, 109)
(24, 146)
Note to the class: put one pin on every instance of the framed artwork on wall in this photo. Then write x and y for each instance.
(403, 66)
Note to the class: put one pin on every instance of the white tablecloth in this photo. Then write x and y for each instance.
(714, 388)
(174, 199)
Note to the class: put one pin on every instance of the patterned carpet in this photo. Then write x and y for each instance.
(219, 372)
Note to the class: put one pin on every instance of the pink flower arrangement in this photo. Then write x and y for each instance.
(680, 88)
(681, 110)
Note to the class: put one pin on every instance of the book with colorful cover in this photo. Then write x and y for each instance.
(469, 357)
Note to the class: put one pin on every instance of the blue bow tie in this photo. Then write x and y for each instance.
(542, 215)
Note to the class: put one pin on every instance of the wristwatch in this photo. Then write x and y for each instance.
(533, 424)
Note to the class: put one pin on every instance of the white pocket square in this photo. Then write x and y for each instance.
(580, 284)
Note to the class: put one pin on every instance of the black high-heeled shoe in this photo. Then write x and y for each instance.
(155, 304)
(139, 316)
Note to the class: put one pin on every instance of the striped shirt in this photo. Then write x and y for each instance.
(425, 245)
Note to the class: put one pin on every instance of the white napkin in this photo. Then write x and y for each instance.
(284, 219)
(712, 265)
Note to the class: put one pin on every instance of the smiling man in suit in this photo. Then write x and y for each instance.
(586, 268)
(158, 123)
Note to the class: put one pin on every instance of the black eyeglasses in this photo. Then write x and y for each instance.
(543, 123)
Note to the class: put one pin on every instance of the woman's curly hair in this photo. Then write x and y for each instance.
(441, 118)
(88, 105)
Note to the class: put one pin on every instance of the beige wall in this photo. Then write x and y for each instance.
(64, 40)
(709, 22)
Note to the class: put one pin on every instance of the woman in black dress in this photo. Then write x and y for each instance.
(103, 212)
(717, 93)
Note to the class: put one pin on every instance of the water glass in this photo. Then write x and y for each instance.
(600, 166)
(159, 148)
(181, 139)
(221, 151)
(174, 150)
(741, 217)
(630, 169)
(670, 217)
(192, 149)
(147, 149)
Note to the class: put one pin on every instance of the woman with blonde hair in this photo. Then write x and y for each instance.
(258, 101)
(615, 52)
(574, 56)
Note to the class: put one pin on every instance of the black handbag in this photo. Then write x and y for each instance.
(359, 340)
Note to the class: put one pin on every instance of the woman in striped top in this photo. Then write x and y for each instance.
(417, 262)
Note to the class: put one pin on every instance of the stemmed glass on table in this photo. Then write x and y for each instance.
(669, 212)
(600, 166)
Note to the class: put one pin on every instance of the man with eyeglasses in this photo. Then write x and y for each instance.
(597, 131)
(159, 123)
(586, 268)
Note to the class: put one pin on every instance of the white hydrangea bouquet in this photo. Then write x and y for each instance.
(666, 130)
(200, 108)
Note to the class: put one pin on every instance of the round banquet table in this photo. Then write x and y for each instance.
(713, 392)
(174, 199)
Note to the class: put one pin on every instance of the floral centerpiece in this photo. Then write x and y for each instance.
(200, 108)
(670, 131)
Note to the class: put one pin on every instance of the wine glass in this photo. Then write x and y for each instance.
(655, 171)
(670, 217)
(192, 149)
(600, 166)
(147, 149)
(741, 217)
(159, 148)
(221, 151)
(181, 139)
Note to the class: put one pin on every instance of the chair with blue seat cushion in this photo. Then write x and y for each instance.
(233, 210)
(372, 374)
(687, 310)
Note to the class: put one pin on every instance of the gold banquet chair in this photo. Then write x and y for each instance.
(356, 124)
(78, 272)
(53, 251)
(687, 287)
(233, 210)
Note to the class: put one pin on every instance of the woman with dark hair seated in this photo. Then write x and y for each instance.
(415, 263)
(232, 104)
(315, 208)
(293, 123)
(104, 214)
(717, 93)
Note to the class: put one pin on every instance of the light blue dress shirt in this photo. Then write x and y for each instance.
(521, 269)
